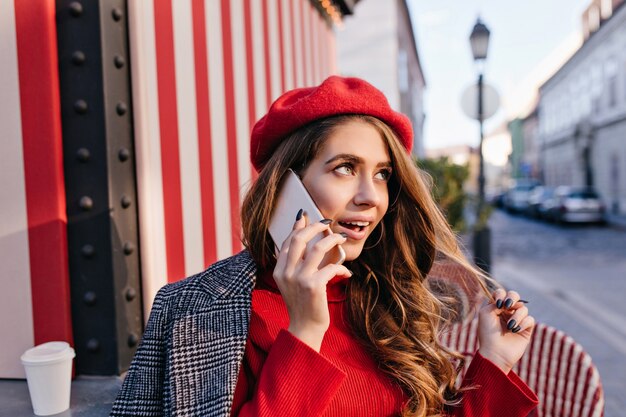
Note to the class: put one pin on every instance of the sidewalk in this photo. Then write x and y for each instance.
(91, 397)
(617, 221)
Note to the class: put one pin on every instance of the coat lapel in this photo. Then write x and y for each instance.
(208, 337)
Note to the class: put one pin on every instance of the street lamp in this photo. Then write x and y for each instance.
(479, 41)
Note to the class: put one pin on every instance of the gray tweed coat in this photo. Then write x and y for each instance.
(188, 361)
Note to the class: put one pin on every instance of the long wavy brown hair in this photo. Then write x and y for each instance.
(391, 309)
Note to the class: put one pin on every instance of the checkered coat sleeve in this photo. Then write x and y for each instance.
(188, 361)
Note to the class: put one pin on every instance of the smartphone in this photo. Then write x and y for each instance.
(292, 197)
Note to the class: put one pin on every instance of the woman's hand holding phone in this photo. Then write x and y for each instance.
(302, 285)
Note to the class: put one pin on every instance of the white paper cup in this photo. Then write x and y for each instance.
(49, 375)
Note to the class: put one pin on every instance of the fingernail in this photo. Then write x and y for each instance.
(350, 271)
(523, 301)
(499, 303)
(326, 221)
(508, 303)
(511, 324)
(299, 215)
(517, 329)
(344, 234)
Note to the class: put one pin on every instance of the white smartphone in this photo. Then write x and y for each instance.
(292, 197)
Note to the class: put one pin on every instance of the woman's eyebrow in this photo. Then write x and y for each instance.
(345, 157)
(355, 160)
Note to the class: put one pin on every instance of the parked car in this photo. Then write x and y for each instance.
(497, 199)
(575, 205)
(516, 198)
(536, 198)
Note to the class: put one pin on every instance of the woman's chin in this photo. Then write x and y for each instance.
(352, 251)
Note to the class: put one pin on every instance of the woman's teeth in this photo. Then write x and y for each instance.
(355, 225)
(362, 224)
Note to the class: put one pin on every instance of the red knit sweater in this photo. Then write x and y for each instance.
(282, 376)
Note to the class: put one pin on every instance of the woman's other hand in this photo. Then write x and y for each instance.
(302, 285)
(504, 329)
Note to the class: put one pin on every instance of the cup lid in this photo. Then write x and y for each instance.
(48, 353)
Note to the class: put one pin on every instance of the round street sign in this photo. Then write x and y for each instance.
(469, 101)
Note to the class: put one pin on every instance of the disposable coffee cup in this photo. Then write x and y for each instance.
(49, 375)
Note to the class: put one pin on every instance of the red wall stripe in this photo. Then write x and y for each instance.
(316, 33)
(247, 15)
(294, 47)
(231, 126)
(281, 44)
(43, 165)
(304, 6)
(331, 52)
(311, 45)
(322, 43)
(266, 43)
(327, 40)
(168, 125)
(315, 63)
(205, 150)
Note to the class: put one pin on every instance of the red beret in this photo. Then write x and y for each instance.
(335, 96)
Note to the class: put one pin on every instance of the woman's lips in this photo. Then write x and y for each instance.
(354, 233)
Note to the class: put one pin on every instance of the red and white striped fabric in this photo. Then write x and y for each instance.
(34, 277)
(203, 72)
(554, 366)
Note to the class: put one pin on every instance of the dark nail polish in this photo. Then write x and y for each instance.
(499, 303)
(345, 235)
(508, 303)
(299, 215)
(523, 301)
(517, 329)
(326, 221)
(511, 324)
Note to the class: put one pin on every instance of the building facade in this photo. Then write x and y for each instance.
(582, 112)
(125, 153)
(377, 43)
(524, 157)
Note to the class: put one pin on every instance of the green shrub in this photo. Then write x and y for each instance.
(448, 179)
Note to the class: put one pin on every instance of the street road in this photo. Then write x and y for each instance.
(575, 280)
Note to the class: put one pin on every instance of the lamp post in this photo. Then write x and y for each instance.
(479, 41)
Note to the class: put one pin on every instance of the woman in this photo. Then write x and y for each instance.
(266, 334)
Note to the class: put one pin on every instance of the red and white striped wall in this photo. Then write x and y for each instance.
(203, 72)
(34, 278)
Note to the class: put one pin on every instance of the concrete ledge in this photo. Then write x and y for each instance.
(91, 397)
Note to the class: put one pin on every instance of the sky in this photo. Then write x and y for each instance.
(528, 40)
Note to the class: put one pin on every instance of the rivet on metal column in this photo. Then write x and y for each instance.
(99, 164)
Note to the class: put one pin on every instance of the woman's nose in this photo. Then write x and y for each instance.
(367, 194)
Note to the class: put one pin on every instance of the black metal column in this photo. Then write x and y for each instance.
(100, 183)
(482, 234)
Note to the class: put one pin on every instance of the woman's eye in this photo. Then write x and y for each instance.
(344, 169)
(383, 175)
